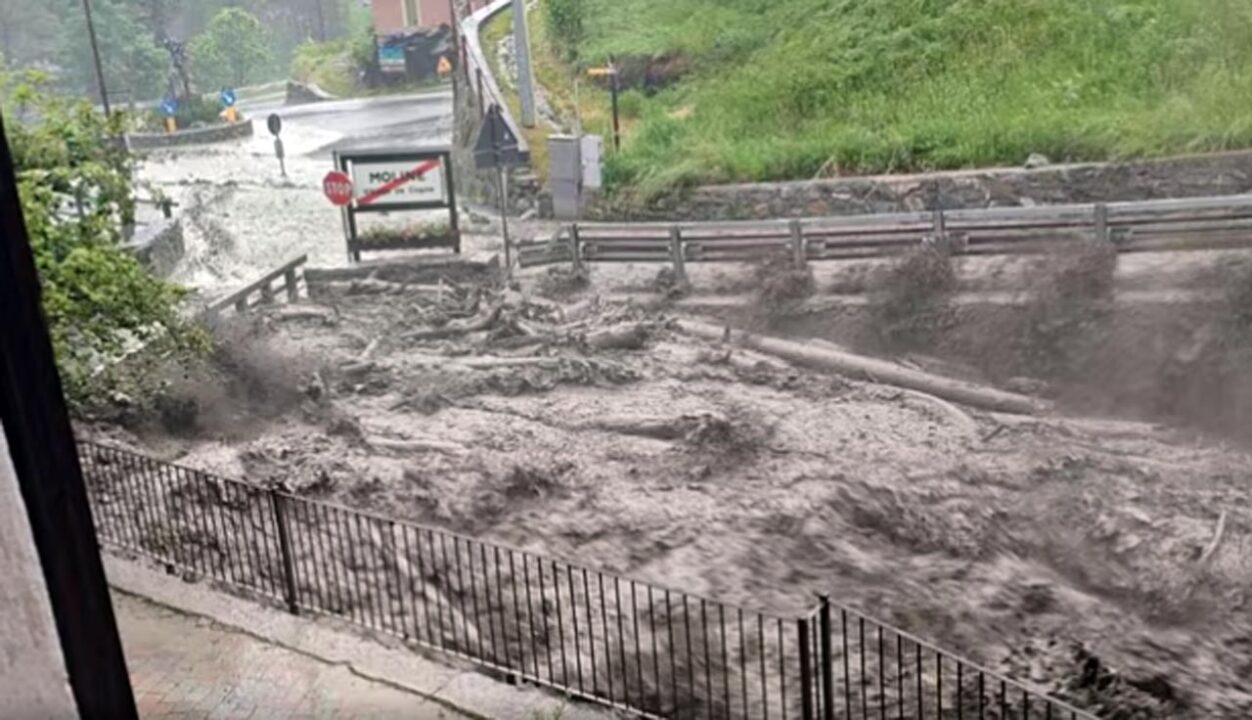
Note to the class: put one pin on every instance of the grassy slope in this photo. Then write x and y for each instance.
(795, 88)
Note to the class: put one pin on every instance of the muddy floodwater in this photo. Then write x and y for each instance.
(1036, 544)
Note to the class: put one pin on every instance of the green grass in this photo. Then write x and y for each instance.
(781, 89)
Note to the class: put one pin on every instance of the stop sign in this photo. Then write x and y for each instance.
(338, 188)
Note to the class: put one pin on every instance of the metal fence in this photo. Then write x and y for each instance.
(653, 651)
(1144, 226)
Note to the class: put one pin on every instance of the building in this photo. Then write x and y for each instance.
(396, 16)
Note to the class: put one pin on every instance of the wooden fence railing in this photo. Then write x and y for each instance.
(1152, 225)
(262, 292)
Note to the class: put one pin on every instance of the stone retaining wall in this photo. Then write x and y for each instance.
(194, 136)
(1183, 176)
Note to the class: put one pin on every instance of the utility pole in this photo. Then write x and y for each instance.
(95, 55)
(456, 47)
(521, 50)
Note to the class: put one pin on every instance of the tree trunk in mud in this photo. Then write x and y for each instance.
(873, 370)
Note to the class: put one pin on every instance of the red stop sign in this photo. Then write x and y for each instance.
(338, 187)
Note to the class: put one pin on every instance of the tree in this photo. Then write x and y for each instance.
(28, 31)
(133, 64)
(565, 23)
(231, 49)
(75, 185)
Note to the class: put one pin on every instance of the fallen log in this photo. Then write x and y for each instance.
(304, 312)
(457, 327)
(871, 369)
(627, 336)
(486, 363)
(423, 445)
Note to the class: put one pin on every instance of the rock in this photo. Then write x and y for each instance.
(1037, 160)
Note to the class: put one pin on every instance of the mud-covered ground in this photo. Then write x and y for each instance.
(737, 476)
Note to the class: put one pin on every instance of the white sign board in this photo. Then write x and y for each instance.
(380, 183)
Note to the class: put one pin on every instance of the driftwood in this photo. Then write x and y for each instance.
(457, 327)
(304, 312)
(1216, 542)
(658, 428)
(423, 445)
(627, 336)
(356, 369)
(865, 368)
(581, 310)
(488, 363)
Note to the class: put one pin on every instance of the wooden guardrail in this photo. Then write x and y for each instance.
(1142, 226)
(262, 292)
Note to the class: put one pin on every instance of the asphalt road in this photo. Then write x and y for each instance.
(395, 121)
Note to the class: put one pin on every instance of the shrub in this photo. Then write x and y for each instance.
(910, 306)
(75, 185)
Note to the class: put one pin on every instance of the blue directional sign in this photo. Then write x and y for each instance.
(169, 107)
(228, 97)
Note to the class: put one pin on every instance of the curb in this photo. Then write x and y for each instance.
(460, 689)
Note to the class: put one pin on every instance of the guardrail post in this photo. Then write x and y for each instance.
(806, 671)
(1101, 212)
(241, 305)
(676, 255)
(799, 253)
(293, 285)
(267, 293)
(277, 502)
(826, 660)
(575, 248)
(940, 227)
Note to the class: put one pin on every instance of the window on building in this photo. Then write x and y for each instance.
(411, 16)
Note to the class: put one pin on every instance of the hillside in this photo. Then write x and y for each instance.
(739, 90)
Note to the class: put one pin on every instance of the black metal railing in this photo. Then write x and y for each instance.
(653, 651)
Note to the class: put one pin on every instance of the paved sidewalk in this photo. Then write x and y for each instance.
(183, 666)
(183, 637)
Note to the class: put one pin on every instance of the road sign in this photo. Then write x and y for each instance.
(398, 182)
(228, 97)
(390, 181)
(495, 143)
(169, 107)
(274, 123)
(338, 188)
(444, 67)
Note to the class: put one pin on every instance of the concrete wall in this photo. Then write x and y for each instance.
(33, 679)
(1185, 176)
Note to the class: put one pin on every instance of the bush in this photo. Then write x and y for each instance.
(911, 305)
(565, 19)
(74, 181)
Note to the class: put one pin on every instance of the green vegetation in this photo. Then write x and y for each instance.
(132, 34)
(744, 90)
(232, 50)
(76, 190)
(336, 65)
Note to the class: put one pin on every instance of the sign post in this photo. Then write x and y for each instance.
(275, 124)
(614, 88)
(390, 181)
(496, 146)
(229, 110)
(169, 108)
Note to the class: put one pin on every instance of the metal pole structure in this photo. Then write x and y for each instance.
(617, 126)
(521, 51)
(95, 55)
(504, 194)
(457, 50)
